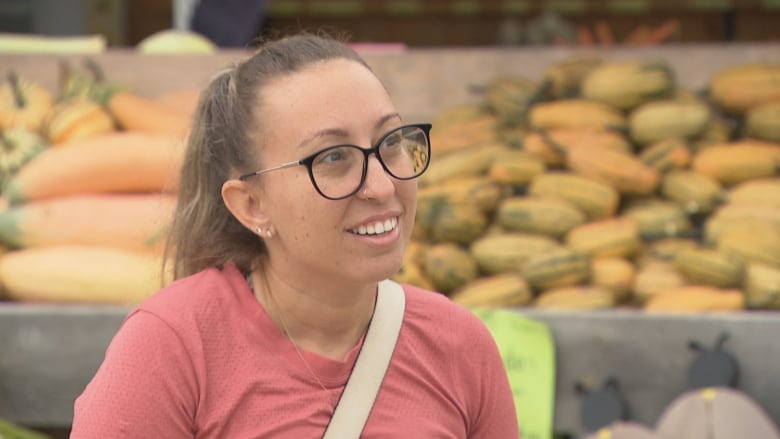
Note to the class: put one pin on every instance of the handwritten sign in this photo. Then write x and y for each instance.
(528, 351)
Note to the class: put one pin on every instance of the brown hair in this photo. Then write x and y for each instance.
(203, 232)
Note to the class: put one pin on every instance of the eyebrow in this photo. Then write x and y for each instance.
(338, 132)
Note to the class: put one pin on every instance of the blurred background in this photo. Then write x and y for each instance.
(416, 23)
(48, 354)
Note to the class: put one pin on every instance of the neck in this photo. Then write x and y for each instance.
(324, 321)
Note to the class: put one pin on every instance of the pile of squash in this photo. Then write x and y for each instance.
(87, 181)
(601, 184)
(606, 184)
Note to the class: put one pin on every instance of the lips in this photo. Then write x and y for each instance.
(376, 227)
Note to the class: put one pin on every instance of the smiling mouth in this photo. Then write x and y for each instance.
(377, 228)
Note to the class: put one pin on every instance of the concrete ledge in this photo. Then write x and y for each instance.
(49, 353)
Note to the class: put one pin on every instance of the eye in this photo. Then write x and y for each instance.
(392, 141)
(331, 155)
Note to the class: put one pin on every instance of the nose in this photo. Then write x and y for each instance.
(379, 184)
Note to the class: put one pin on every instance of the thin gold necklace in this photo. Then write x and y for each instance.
(292, 340)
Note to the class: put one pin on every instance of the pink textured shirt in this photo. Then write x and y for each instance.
(202, 359)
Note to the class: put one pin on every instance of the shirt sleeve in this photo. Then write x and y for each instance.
(491, 401)
(146, 386)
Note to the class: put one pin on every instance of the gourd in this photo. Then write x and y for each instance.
(543, 215)
(596, 199)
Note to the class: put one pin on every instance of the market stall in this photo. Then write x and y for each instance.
(48, 352)
(51, 352)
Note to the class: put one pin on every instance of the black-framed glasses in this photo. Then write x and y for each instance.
(339, 171)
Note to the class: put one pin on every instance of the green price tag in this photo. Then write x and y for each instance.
(528, 351)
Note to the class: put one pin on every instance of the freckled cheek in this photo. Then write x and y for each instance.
(300, 182)
(295, 194)
(314, 213)
(299, 193)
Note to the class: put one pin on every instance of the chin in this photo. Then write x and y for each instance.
(381, 271)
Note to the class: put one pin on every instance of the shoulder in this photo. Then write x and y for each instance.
(439, 317)
(210, 292)
(449, 341)
(437, 307)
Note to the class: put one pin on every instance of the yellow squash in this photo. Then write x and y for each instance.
(78, 274)
(616, 274)
(500, 290)
(740, 87)
(664, 119)
(760, 191)
(576, 114)
(548, 216)
(738, 161)
(596, 199)
(696, 299)
(449, 266)
(617, 236)
(620, 170)
(708, 266)
(628, 84)
(507, 252)
(576, 298)
(558, 267)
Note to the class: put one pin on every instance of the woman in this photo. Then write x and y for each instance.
(282, 233)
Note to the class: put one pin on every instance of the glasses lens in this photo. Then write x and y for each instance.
(405, 152)
(337, 171)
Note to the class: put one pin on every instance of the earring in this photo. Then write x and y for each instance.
(259, 230)
(268, 232)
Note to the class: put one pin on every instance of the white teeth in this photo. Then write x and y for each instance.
(377, 228)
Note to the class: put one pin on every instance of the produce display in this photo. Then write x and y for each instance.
(606, 184)
(601, 184)
(89, 174)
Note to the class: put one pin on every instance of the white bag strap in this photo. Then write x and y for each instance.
(359, 393)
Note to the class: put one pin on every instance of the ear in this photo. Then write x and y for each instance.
(244, 203)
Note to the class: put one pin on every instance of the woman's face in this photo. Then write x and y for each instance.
(331, 103)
